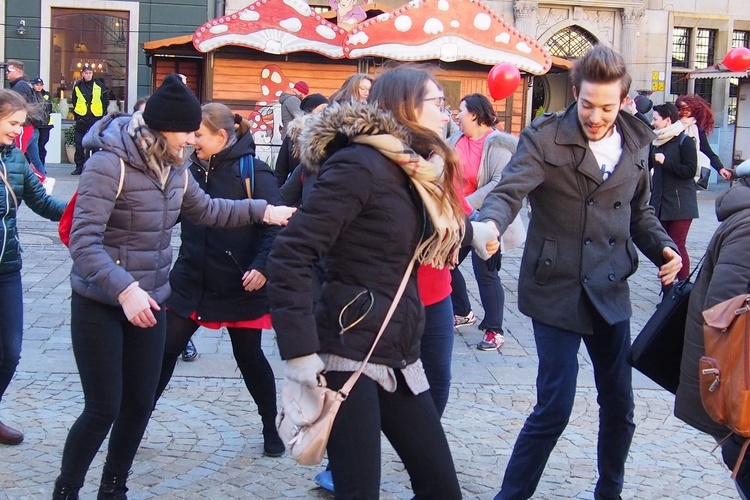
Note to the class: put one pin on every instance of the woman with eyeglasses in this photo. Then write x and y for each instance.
(18, 184)
(483, 152)
(384, 187)
(356, 87)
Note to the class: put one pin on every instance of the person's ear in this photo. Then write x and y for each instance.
(575, 93)
(624, 102)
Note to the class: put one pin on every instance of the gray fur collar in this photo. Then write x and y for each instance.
(323, 134)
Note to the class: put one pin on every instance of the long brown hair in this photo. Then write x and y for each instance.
(350, 88)
(699, 109)
(401, 91)
(216, 116)
(10, 102)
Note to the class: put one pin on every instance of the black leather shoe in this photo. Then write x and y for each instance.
(77, 171)
(190, 352)
(10, 436)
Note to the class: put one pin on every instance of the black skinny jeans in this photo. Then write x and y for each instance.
(246, 346)
(411, 424)
(119, 367)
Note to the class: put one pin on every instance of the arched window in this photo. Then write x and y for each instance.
(571, 42)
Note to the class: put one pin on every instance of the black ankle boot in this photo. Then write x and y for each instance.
(113, 486)
(273, 446)
(64, 491)
(261, 384)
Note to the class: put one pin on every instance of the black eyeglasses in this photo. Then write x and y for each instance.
(439, 102)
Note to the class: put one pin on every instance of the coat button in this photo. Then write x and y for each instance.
(199, 318)
(586, 241)
(618, 204)
(585, 279)
(117, 262)
(612, 277)
(547, 262)
(590, 201)
(612, 242)
(403, 362)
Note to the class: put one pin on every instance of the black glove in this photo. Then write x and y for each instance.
(495, 262)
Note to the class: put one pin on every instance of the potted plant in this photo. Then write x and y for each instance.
(69, 138)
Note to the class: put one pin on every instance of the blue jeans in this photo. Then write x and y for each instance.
(437, 350)
(32, 152)
(11, 326)
(556, 388)
(491, 292)
(119, 365)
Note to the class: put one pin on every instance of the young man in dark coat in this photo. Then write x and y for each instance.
(585, 173)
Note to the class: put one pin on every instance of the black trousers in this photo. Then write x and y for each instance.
(412, 425)
(119, 366)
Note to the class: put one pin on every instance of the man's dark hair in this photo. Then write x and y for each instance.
(482, 108)
(601, 64)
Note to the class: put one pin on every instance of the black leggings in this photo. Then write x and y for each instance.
(255, 369)
(119, 366)
(412, 425)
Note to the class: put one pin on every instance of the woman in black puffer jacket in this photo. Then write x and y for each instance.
(367, 213)
(219, 277)
(17, 184)
(674, 160)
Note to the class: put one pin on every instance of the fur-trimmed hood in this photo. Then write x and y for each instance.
(320, 135)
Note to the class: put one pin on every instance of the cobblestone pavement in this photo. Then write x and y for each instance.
(204, 440)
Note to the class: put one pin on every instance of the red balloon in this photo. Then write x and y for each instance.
(737, 59)
(503, 80)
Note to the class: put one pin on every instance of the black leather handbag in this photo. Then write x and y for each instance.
(657, 350)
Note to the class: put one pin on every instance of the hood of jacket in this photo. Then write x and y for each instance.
(284, 96)
(111, 134)
(324, 133)
(732, 201)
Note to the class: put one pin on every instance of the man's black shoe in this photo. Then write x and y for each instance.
(77, 171)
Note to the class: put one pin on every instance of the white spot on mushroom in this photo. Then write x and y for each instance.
(522, 47)
(300, 6)
(325, 31)
(433, 26)
(249, 15)
(276, 77)
(264, 88)
(217, 30)
(359, 38)
(264, 73)
(449, 52)
(503, 38)
(273, 46)
(402, 24)
(482, 21)
(383, 17)
(292, 24)
(455, 24)
(443, 5)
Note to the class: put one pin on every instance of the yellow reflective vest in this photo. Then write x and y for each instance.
(97, 107)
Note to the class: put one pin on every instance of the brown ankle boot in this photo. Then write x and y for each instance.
(9, 435)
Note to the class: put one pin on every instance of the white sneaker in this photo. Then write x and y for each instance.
(468, 320)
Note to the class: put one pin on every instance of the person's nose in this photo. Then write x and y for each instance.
(190, 139)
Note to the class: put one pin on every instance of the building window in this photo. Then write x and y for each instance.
(99, 38)
(570, 43)
(681, 48)
(739, 39)
(705, 46)
(704, 87)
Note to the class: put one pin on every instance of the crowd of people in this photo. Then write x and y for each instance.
(371, 192)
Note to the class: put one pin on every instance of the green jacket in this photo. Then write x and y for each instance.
(27, 188)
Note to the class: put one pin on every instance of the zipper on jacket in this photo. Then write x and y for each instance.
(7, 211)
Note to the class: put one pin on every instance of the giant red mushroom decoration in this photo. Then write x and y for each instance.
(274, 27)
(448, 30)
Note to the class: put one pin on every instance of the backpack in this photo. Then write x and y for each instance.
(247, 173)
(724, 371)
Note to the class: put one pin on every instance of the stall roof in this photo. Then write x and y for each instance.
(167, 42)
(717, 71)
(449, 30)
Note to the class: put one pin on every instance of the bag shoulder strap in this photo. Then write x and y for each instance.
(10, 188)
(247, 172)
(122, 178)
(344, 391)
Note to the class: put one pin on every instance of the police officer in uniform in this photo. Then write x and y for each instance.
(90, 101)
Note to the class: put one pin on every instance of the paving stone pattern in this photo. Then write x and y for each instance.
(204, 440)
